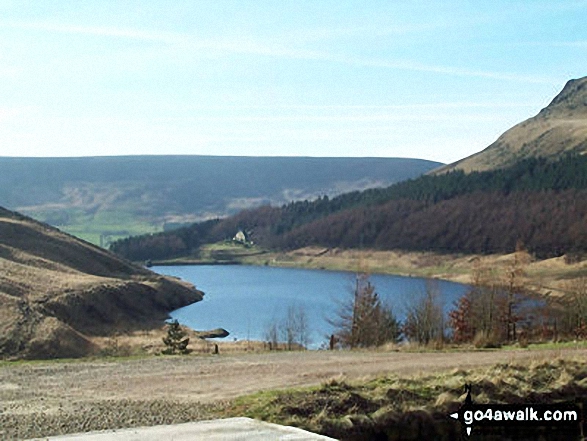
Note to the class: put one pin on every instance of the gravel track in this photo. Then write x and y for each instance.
(46, 398)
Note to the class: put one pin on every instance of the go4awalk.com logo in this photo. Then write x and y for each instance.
(472, 414)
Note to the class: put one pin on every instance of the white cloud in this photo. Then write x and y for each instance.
(275, 48)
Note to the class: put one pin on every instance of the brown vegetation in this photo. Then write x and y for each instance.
(560, 127)
(549, 223)
(57, 293)
(399, 408)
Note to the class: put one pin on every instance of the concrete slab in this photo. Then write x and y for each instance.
(230, 429)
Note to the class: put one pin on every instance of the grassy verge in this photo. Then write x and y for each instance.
(221, 253)
(415, 407)
(578, 344)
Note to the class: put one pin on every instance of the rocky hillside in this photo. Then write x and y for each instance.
(559, 128)
(57, 292)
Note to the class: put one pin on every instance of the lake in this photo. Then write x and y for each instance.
(244, 300)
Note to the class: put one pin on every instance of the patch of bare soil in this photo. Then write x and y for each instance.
(45, 398)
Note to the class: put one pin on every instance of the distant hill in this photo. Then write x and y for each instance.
(57, 292)
(104, 198)
(539, 202)
(529, 187)
(559, 128)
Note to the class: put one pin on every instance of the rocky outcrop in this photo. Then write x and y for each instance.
(214, 333)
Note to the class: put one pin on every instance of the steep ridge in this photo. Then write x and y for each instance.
(559, 128)
(57, 292)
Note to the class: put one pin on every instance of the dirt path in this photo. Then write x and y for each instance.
(62, 397)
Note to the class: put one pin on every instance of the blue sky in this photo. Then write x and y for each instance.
(432, 80)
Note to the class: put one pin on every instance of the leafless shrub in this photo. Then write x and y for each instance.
(425, 318)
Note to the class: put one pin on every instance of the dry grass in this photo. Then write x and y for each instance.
(57, 291)
(545, 276)
(360, 410)
(150, 342)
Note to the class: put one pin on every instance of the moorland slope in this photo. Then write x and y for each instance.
(57, 292)
(559, 128)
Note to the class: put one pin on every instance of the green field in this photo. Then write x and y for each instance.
(100, 228)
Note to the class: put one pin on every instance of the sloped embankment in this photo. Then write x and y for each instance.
(57, 292)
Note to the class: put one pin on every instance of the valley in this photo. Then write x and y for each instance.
(364, 220)
(512, 228)
(101, 199)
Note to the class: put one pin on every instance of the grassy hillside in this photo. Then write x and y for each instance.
(104, 198)
(57, 292)
(559, 128)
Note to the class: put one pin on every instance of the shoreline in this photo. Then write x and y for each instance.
(544, 276)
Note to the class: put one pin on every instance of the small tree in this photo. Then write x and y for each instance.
(477, 313)
(364, 321)
(425, 318)
(272, 334)
(388, 326)
(574, 317)
(460, 320)
(295, 328)
(514, 285)
(498, 306)
(175, 341)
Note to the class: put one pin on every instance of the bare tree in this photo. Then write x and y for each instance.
(295, 327)
(302, 326)
(498, 306)
(425, 318)
(574, 313)
(477, 314)
(514, 285)
(272, 334)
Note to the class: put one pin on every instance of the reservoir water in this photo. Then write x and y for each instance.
(245, 299)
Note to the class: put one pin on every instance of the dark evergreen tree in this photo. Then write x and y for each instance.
(364, 321)
(175, 341)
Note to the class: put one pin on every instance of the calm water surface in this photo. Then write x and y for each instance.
(245, 299)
